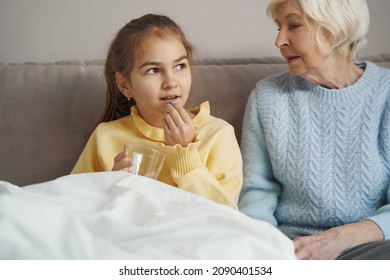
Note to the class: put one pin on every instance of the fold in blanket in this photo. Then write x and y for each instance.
(118, 215)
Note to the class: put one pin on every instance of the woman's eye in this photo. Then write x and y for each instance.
(152, 71)
(293, 26)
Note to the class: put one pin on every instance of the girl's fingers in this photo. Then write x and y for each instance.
(121, 162)
(174, 112)
(178, 126)
(183, 114)
(120, 156)
(169, 122)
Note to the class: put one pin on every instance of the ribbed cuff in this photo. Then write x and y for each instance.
(182, 160)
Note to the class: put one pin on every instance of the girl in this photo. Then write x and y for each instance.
(148, 83)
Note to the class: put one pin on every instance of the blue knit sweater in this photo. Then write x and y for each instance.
(315, 158)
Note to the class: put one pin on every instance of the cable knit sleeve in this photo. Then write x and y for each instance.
(259, 195)
(382, 216)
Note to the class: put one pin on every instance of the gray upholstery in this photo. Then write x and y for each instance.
(47, 111)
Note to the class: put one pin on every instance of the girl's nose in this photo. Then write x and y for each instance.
(169, 82)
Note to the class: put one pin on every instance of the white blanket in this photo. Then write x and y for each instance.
(118, 215)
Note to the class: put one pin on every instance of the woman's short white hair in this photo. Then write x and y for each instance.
(347, 21)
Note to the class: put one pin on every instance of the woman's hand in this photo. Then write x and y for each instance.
(121, 162)
(328, 245)
(178, 126)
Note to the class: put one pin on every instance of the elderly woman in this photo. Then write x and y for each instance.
(316, 140)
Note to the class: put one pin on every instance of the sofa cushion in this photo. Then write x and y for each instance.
(48, 110)
(46, 114)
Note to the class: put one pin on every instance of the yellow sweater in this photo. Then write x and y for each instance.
(210, 167)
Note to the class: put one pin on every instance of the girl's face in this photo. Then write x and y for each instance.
(296, 41)
(161, 74)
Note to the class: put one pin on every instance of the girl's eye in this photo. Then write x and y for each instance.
(180, 66)
(152, 71)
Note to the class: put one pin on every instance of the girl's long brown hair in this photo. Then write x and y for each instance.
(123, 51)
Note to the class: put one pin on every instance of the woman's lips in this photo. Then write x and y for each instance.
(291, 59)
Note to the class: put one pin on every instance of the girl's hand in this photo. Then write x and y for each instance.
(121, 162)
(178, 126)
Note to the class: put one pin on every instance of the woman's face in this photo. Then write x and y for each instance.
(161, 74)
(296, 41)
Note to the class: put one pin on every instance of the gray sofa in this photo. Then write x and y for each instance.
(48, 110)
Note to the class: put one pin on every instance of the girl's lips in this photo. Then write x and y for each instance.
(170, 99)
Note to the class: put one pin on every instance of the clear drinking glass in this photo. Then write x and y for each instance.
(145, 161)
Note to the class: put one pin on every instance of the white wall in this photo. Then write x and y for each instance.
(52, 30)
